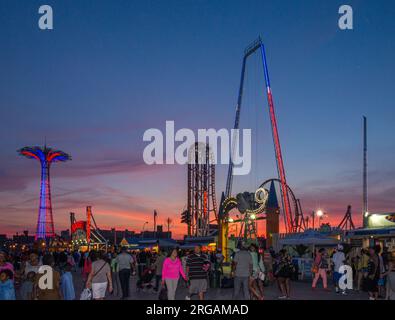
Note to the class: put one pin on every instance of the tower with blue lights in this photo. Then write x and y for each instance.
(46, 156)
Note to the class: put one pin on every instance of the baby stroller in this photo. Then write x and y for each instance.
(145, 281)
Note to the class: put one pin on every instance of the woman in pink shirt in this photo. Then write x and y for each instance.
(172, 268)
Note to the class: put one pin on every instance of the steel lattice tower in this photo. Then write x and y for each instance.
(46, 156)
(347, 223)
(201, 189)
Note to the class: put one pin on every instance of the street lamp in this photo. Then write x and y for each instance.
(142, 232)
(320, 214)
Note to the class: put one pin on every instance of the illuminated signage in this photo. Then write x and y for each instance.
(381, 220)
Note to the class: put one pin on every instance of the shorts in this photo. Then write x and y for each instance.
(99, 290)
(197, 286)
(370, 285)
(336, 277)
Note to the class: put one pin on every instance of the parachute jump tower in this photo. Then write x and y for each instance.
(46, 156)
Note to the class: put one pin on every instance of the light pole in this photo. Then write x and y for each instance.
(313, 217)
(168, 221)
(320, 214)
(142, 232)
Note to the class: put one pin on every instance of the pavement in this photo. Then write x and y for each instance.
(300, 290)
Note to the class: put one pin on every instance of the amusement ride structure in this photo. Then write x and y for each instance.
(46, 156)
(250, 206)
(347, 224)
(86, 233)
(202, 204)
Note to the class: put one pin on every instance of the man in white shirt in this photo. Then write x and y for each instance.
(338, 260)
(125, 263)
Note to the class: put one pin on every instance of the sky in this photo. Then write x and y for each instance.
(109, 70)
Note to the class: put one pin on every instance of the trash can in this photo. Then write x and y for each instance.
(215, 279)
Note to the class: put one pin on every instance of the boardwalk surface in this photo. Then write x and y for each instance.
(299, 291)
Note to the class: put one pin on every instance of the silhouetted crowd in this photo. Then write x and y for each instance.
(98, 274)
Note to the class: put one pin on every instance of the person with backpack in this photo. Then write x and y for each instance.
(321, 267)
(283, 272)
(99, 279)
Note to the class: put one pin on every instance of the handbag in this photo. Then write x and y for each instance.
(261, 276)
(98, 271)
(163, 293)
(86, 294)
(314, 268)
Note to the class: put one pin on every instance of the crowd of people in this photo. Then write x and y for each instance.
(163, 273)
(373, 271)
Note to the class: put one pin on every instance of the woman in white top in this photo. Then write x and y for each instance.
(31, 265)
(29, 270)
(258, 269)
(99, 279)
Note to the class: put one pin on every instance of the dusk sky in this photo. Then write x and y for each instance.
(112, 69)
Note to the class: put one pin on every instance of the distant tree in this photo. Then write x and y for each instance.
(325, 227)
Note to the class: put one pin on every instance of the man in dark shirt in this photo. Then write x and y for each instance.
(197, 266)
